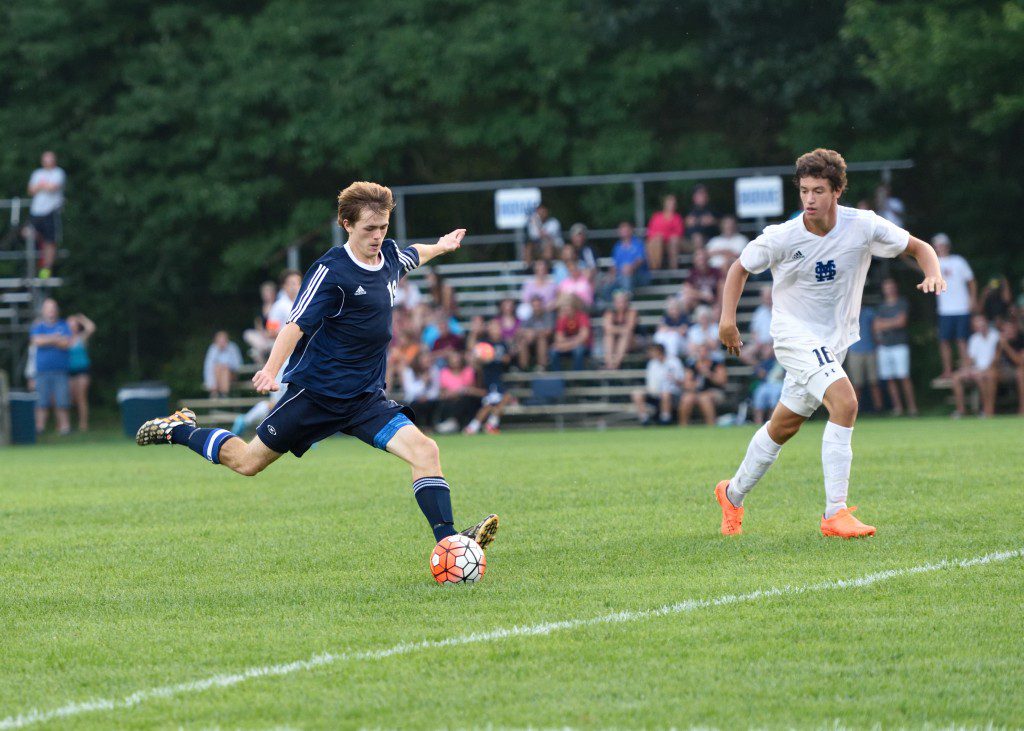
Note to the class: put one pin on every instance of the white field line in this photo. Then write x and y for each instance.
(35, 716)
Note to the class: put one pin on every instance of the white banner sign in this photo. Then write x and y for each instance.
(513, 206)
(759, 197)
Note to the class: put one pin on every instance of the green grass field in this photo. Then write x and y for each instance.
(126, 570)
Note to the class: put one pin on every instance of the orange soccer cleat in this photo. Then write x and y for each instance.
(732, 517)
(844, 525)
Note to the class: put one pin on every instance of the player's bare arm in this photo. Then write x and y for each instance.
(728, 332)
(265, 379)
(928, 260)
(445, 245)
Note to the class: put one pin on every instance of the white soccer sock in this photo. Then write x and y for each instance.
(761, 454)
(494, 420)
(836, 457)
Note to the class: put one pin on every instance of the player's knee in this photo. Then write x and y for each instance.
(427, 453)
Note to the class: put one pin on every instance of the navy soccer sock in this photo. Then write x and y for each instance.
(435, 500)
(204, 442)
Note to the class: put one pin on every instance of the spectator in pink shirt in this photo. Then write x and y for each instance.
(460, 395)
(665, 235)
(577, 282)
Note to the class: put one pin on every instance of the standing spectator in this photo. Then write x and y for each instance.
(661, 386)
(619, 325)
(577, 283)
(535, 335)
(584, 255)
(701, 219)
(769, 374)
(671, 332)
(703, 332)
(572, 335)
(281, 311)
(421, 388)
(702, 386)
(46, 186)
(887, 206)
(629, 263)
(862, 360)
(442, 293)
(955, 304)
(459, 394)
(996, 299)
(540, 285)
(726, 247)
(258, 337)
(980, 369)
(543, 235)
(82, 328)
(51, 336)
(704, 278)
(223, 359)
(1011, 358)
(665, 235)
(894, 348)
(492, 374)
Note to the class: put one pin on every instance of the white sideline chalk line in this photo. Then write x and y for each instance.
(227, 680)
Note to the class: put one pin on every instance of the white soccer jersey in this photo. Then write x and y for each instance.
(819, 280)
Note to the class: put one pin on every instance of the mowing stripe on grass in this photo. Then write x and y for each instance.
(227, 680)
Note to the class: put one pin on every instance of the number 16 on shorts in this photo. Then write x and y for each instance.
(823, 355)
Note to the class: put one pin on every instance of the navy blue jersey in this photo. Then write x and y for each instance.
(344, 311)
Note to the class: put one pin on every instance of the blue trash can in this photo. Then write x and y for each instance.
(141, 402)
(23, 417)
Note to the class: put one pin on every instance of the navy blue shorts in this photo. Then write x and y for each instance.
(301, 419)
(954, 327)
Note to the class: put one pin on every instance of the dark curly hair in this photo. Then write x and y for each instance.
(822, 163)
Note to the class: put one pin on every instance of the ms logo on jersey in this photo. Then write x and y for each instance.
(825, 271)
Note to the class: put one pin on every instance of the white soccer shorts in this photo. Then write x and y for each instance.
(810, 369)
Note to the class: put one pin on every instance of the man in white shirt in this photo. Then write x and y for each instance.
(661, 388)
(955, 308)
(819, 261)
(727, 246)
(46, 186)
(543, 235)
(980, 369)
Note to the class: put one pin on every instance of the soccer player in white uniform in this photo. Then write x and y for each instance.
(819, 261)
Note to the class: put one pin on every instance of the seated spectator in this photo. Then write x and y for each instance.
(421, 388)
(408, 296)
(447, 342)
(577, 283)
(701, 219)
(539, 285)
(459, 393)
(704, 278)
(223, 359)
(982, 347)
(726, 247)
(405, 347)
(51, 336)
(508, 322)
(619, 326)
(702, 332)
(890, 329)
(46, 186)
(695, 241)
(1011, 358)
(768, 375)
(431, 331)
(861, 363)
(543, 236)
(534, 336)
(671, 332)
(665, 235)
(629, 268)
(492, 374)
(584, 255)
(702, 386)
(441, 293)
(955, 304)
(258, 337)
(572, 335)
(754, 349)
(475, 331)
(82, 328)
(662, 383)
(996, 299)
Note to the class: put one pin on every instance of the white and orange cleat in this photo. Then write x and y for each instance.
(844, 525)
(732, 517)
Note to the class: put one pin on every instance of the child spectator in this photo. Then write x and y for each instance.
(82, 328)
(726, 247)
(768, 386)
(492, 373)
(861, 363)
(534, 336)
(51, 337)
(543, 235)
(1011, 359)
(671, 332)
(662, 383)
(980, 369)
(700, 219)
(702, 386)
(704, 278)
(577, 283)
(223, 359)
(619, 325)
(459, 393)
(955, 304)
(572, 335)
(258, 337)
(421, 388)
(584, 255)
(894, 348)
(665, 235)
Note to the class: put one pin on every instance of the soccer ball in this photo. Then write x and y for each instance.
(457, 559)
(484, 352)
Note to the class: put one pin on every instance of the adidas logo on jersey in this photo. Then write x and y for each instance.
(360, 290)
(798, 255)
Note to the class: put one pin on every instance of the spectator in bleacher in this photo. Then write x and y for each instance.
(890, 328)
(223, 359)
(1011, 358)
(432, 331)
(258, 337)
(702, 332)
(82, 328)
(572, 335)
(996, 300)
(700, 219)
(705, 378)
(421, 388)
(576, 283)
(619, 326)
(726, 247)
(408, 296)
(754, 349)
(405, 347)
(492, 374)
(459, 393)
(51, 335)
(508, 322)
(955, 305)
(475, 331)
(861, 363)
(696, 241)
(704, 278)
(540, 285)
(585, 256)
(887, 206)
(543, 236)
(441, 293)
(281, 311)
(769, 375)
(447, 343)
(46, 186)
(671, 332)
(534, 336)
(662, 383)
(665, 235)
(629, 267)
(980, 370)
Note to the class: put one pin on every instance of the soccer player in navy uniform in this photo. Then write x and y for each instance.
(336, 345)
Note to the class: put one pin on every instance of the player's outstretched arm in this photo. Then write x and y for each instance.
(928, 260)
(728, 333)
(445, 245)
(265, 379)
